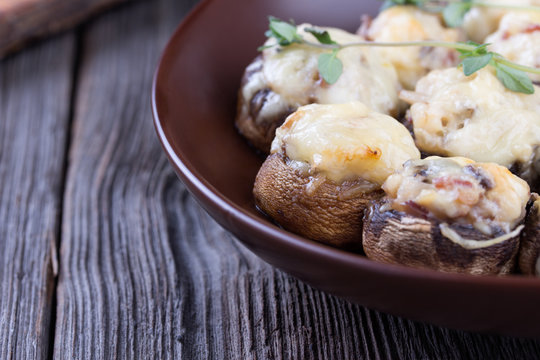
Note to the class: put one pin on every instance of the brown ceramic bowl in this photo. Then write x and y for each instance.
(194, 101)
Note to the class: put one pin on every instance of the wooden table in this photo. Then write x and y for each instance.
(105, 254)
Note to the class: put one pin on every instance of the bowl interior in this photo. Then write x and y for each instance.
(207, 135)
(194, 101)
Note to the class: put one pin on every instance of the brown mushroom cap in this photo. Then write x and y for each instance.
(256, 128)
(530, 171)
(398, 238)
(529, 252)
(328, 213)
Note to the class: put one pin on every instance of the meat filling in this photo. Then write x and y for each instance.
(484, 195)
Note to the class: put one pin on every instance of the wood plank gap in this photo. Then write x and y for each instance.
(34, 96)
(75, 76)
(117, 286)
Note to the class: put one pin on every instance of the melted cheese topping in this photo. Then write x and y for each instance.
(475, 117)
(274, 105)
(518, 39)
(479, 22)
(408, 23)
(292, 72)
(345, 142)
(486, 195)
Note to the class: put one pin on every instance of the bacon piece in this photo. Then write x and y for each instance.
(417, 210)
(448, 182)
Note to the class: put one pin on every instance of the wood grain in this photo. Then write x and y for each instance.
(117, 293)
(35, 90)
(146, 274)
(24, 20)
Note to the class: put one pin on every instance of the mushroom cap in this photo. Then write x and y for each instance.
(259, 109)
(281, 79)
(529, 252)
(449, 112)
(314, 207)
(398, 238)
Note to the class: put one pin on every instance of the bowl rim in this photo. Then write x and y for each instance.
(206, 193)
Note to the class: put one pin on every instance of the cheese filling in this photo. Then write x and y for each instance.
(479, 22)
(345, 142)
(292, 72)
(457, 189)
(408, 23)
(518, 39)
(475, 117)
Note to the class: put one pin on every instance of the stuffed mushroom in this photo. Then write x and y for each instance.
(479, 22)
(327, 162)
(283, 78)
(409, 23)
(478, 118)
(518, 39)
(448, 214)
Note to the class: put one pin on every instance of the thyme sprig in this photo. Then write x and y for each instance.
(473, 56)
(454, 11)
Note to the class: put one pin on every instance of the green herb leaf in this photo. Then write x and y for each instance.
(386, 4)
(282, 29)
(454, 13)
(330, 67)
(321, 35)
(389, 3)
(284, 32)
(264, 47)
(474, 56)
(513, 79)
(472, 64)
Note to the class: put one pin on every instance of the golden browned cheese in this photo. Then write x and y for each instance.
(292, 73)
(485, 195)
(474, 116)
(345, 142)
(408, 23)
(327, 163)
(518, 39)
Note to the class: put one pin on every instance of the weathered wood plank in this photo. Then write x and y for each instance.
(117, 286)
(145, 273)
(35, 90)
(234, 306)
(24, 20)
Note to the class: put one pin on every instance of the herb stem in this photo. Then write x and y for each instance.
(474, 56)
(440, 4)
(517, 66)
(450, 45)
(504, 6)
